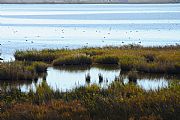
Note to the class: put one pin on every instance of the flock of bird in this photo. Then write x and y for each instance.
(104, 38)
(62, 37)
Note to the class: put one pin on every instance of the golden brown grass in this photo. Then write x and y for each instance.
(118, 101)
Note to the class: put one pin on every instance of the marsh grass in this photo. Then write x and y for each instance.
(21, 70)
(52, 111)
(73, 60)
(40, 67)
(118, 101)
(150, 57)
(132, 76)
(34, 55)
(15, 71)
(158, 67)
(164, 59)
(107, 60)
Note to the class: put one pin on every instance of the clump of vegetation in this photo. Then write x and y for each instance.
(132, 76)
(43, 94)
(126, 66)
(40, 67)
(16, 71)
(127, 63)
(21, 70)
(150, 57)
(158, 67)
(73, 60)
(88, 78)
(107, 60)
(34, 55)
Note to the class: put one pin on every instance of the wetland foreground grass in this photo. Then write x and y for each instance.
(117, 102)
(144, 59)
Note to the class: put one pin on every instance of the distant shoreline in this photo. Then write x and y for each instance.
(88, 2)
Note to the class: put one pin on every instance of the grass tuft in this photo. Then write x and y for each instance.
(40, 67)
(73, 60)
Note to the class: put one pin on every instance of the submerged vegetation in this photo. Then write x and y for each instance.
(118, 101)
(131, 57)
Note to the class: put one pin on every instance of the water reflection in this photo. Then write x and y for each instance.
(68, 78)
(8, 85)
(150, 81)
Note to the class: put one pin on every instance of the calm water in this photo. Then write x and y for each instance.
(77, 25)
(68, 78)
